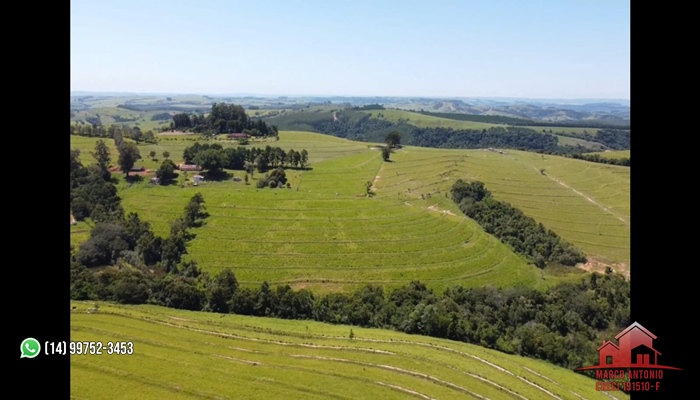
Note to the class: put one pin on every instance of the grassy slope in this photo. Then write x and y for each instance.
(189, 355)
(308, 236)
(586, 203)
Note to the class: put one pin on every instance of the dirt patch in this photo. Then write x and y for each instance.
(440, 210)
(599, 266)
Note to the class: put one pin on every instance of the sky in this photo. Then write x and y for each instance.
(559, 49)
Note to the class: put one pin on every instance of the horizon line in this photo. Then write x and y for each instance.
(244, 94)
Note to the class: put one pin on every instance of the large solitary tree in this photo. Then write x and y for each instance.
(128, 155)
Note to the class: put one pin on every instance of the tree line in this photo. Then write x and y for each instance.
(223, 118)
(562, 325)
(597, 158)
(213, 157)
(522, 233)
(112, 131)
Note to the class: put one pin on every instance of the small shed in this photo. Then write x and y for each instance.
(155, 181)
(198, 178)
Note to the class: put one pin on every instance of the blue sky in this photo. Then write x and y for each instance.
(460, 48)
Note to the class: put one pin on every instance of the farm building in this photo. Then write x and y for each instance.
(239, 136)
(137, 169)
(155, 181)
(198, 178)
(189, 167)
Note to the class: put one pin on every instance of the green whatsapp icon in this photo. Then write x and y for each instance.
(30, 348)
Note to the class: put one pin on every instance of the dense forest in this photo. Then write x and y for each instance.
(562, 325)
(522, 233)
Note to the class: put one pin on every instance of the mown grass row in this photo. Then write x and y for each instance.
(187, 355)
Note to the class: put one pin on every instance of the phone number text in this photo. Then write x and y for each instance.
(89, 348)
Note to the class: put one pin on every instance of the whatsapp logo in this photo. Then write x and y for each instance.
(30, 348)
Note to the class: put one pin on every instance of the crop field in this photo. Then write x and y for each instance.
(585, 203)
(194, 355)
(324, 234)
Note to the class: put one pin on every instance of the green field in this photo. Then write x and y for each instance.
(585, 203)
(324, 235)
(613, 153)
(428, 121)
(194, 355)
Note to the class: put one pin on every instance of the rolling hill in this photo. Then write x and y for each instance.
(188, 355)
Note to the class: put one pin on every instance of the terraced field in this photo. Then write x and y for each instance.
(194, 355)
(586, 203)
(324, 234)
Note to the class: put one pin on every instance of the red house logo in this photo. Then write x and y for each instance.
(634, 350)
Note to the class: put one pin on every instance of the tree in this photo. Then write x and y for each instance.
(212, 160)
(386, 153)
(166, 173)
(304, 158)
(166, 154)
(393, 139)
(101, 154)
(152, 154)
(128, 155)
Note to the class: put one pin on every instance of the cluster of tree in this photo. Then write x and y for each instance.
(597, 158)
(114, 131)
(121, 119)
(522, 233)
(615, 139)
(223, 118)
(92, 193)
(275, 179)
(369, 107)
(161, 117)
(509, 138)
(94, 120)
(213, 157)
(562, 325)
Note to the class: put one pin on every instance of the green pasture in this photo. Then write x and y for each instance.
(585, 203)
(189, 355)
(428, 121)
